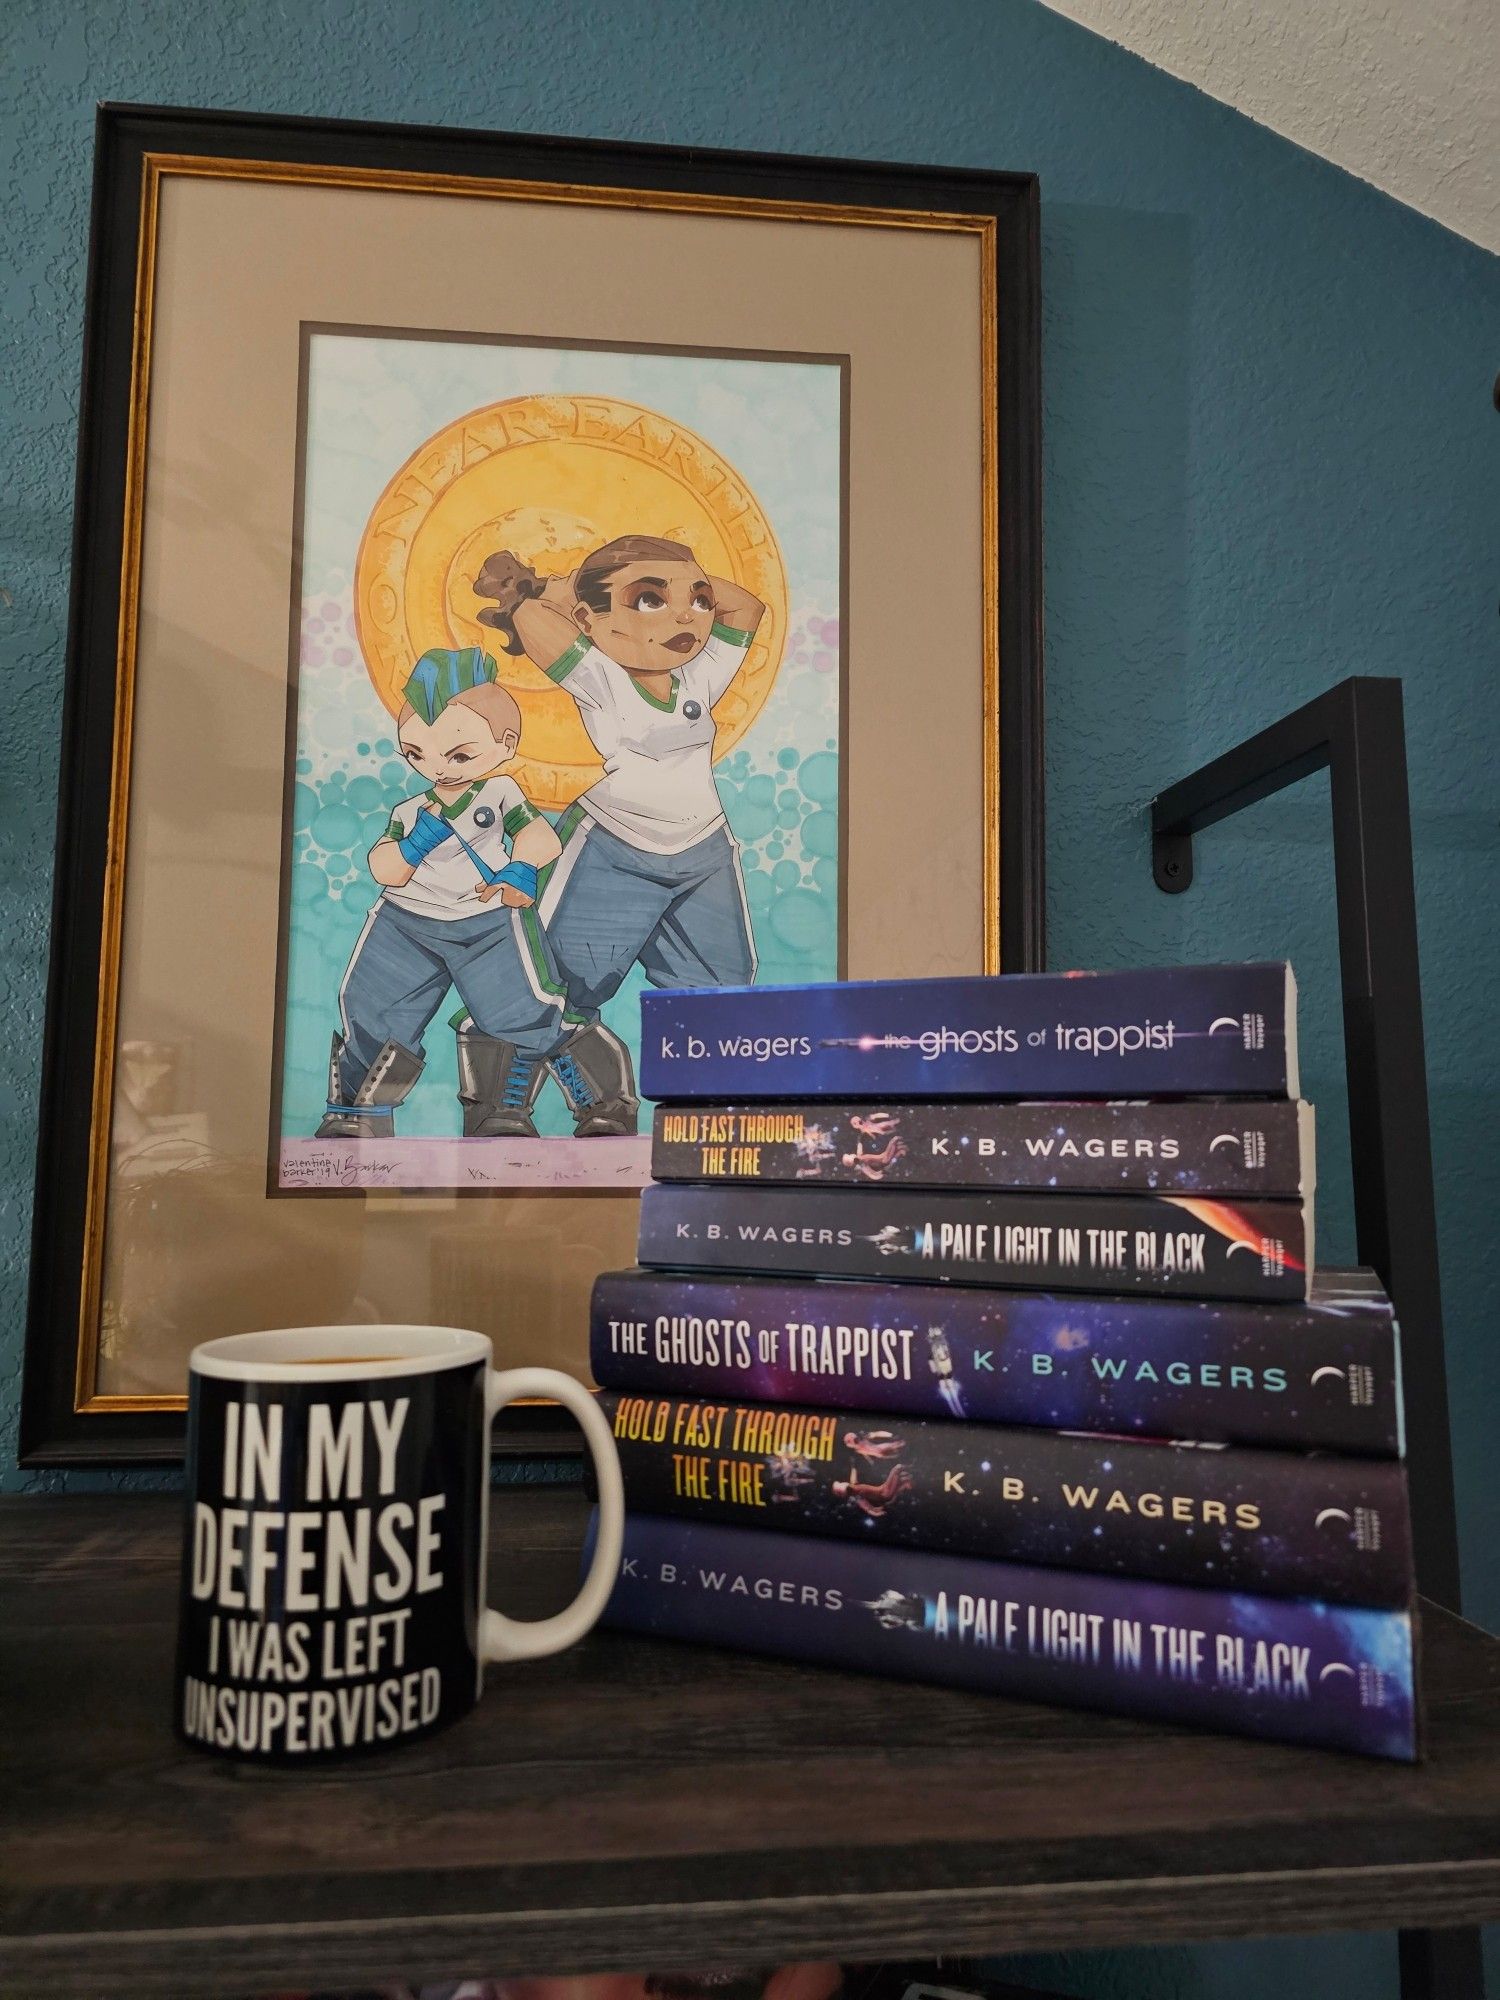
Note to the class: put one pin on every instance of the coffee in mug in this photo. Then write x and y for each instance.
(333, 1568)
(341, 1360)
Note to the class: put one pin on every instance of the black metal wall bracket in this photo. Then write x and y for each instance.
(1322, 734)
(1356, 732)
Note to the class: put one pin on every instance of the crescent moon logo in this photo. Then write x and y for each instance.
(1224, 1021)
(1238, 1246)
(1224, 1139)
(1330, 1514)
(1329, 1369)
(1336, 1667)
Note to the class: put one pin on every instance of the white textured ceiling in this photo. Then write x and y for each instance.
(1404, 93)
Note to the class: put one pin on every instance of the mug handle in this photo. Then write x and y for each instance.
(502, 1638)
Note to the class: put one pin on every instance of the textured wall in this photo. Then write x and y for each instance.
(1404, 93)
(1270, 462)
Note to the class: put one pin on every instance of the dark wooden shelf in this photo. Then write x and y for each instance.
(632, 1804)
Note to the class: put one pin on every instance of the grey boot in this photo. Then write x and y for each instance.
(497, 1086)
(371, 1112)
(594, 1073)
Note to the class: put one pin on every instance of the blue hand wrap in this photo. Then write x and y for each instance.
(520, 875)
(427, 832)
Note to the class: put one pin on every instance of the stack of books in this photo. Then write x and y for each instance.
(931, 1272)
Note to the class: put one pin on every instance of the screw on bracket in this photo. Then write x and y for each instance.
(1172, 861)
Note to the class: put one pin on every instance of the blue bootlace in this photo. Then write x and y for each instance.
(573, 1080)
(517, 1084)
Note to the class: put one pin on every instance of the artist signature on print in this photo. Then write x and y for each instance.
(451, 1166)
(337, 1169)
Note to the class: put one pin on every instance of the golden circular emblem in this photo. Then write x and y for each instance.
(552, 478)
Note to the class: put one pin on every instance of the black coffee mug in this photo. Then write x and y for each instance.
(337, 1527)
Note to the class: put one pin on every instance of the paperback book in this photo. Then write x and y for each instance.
(1190, 1031)
(1321, 1375)
(1173, 1245)
(1284, 1668)
(1196, 1146)
(1279, 1523)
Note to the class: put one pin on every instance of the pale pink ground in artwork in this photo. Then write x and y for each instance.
(454, 1165)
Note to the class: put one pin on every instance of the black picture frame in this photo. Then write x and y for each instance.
(54, 1431)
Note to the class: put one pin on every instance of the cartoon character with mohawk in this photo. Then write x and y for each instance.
(457, 869)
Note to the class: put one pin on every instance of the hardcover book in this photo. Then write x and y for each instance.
(1323, 1375)
(1279, 1523)
(1284, 1668)
(1190, 1031)
(1203, 1146)
(1168, 1244)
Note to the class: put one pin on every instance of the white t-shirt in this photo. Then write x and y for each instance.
(658, 789)
(489, 815)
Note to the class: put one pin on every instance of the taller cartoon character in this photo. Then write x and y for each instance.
(646, 642)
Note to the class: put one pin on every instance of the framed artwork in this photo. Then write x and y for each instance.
(507, 573)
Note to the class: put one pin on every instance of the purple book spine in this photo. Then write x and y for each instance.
(1323, 1375)
(1282, 1523)
(1188, 1031)
(1289, 1669)
(1164, 1244)
(1196, 1146)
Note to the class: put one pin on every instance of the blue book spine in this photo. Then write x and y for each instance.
(1284, 1668)
(1165, 1244)
(1320, 1376)
(1192, 1031)
(1288, 1524)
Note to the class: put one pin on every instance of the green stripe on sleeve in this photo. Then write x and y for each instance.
(516, 818)
(728, 632)
(564, 664)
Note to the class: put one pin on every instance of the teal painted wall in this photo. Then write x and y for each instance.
(1270, 461)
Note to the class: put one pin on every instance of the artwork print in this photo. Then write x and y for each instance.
(565, 721)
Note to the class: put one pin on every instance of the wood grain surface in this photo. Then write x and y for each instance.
(633, 1803)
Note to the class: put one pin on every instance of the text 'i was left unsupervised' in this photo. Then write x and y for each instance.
(327, 1589)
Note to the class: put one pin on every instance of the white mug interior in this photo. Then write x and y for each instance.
(281, 1354)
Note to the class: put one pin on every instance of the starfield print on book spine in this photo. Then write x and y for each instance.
(1074, 1242)
(1277, 1522)
(1281, 1668)
(1196, 1031)
(1213, 1146)
(1318, 1376)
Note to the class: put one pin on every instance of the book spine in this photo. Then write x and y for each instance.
(1202, 1146)
(1272, 1522)
(1290, 1670)
(1318, 1376)
(1167, 1245)
(1194, 1031)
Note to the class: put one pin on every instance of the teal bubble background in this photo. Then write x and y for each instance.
(779, 785)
